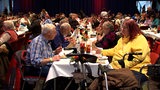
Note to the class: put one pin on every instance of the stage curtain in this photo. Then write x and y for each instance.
(22, 6)
(99, 5)
(67, 6)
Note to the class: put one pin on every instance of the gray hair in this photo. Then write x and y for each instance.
(47, 28)
(109, 25)
(9, 24)
(65, 26)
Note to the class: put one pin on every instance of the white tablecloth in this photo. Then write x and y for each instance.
(22, 30)
(151, 34)
(65, 68)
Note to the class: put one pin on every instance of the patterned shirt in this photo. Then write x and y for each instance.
(38, 50)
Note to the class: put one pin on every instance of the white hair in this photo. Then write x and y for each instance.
(47, 28)
(104, 14)
(9, 24)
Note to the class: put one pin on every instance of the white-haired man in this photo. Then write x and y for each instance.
(40, 52)
(62, 40)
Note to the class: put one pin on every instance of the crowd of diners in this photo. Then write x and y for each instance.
(117, 34)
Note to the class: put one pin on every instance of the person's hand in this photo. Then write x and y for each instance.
(58, 50)
(99, 37)
(51, 59)
(73, 41)
(94, 47)
(3, 49)
(99, 50)
(56, 58)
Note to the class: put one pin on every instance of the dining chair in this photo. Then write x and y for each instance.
(156, 47)
(17, 79)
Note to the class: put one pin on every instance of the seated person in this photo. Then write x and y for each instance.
(24, 20)
(61, 39)
(108, 38)
(132, 41)
(155, 21)
(40, 52)
(73, 21)
(24, 23)
(147, 21)
(35, 27)
(7, 36)
(46, 19)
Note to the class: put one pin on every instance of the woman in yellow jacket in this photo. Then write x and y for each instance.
(132, 41)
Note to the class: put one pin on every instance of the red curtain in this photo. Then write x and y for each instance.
(99, 5)
(26, 5)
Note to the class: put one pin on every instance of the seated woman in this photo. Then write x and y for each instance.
(155, 21)
(132, 41)
(108, 38)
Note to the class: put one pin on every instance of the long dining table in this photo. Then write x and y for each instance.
(65, 68)
(150, 33)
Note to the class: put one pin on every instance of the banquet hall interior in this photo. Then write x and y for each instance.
(81, 31)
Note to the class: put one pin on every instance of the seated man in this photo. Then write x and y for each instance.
(61, 40)
(40, 52)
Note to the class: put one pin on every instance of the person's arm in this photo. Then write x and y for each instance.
(58, 50)
(70, 42)
(51, 59)
(111, 51)
(3, 48)
(4, 38)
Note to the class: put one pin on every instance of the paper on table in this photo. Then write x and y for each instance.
(63, 53)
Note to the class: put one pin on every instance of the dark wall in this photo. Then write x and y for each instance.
(124, 6)
(67, 6)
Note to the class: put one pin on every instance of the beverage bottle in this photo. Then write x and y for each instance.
(78, 41)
